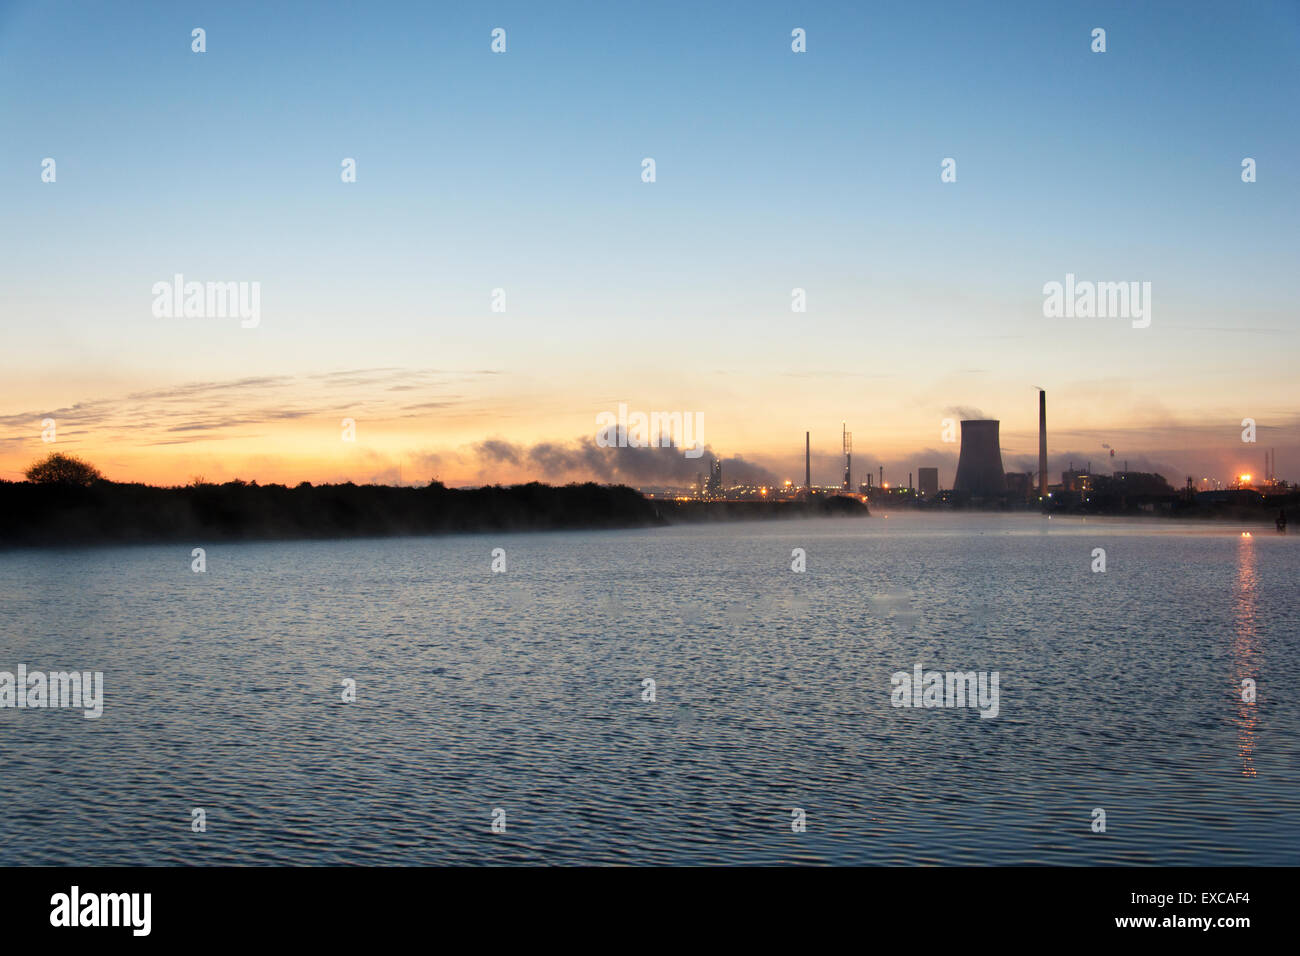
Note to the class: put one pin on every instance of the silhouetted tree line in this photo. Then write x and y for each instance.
(67, 502)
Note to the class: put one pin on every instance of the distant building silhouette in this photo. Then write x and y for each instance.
(1074, 480)
(714, 485)
(1020, 484)
(927, 482)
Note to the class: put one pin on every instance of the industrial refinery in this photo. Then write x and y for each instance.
(982, 482)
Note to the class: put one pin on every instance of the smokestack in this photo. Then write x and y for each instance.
(807, 461)
(909, 481)
(848, 457)
(979, 465)
(1042, 442)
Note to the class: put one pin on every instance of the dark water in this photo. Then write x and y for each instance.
(522, 691)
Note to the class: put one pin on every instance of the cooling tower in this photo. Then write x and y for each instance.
(979, 467)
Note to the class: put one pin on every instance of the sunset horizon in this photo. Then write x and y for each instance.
(222, 431)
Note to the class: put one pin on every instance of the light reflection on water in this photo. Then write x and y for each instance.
(523, 691)
(1245, 649)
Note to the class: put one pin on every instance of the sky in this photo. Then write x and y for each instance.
(522, 171)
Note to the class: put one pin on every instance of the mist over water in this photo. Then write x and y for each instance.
(522, 691)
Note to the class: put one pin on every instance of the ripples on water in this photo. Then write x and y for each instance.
(523, 691)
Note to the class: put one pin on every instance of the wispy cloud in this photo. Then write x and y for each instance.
(211, 410)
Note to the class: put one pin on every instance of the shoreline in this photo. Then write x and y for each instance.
(36, 515)
(51, 515)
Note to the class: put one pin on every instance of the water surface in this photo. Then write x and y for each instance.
(523, 691)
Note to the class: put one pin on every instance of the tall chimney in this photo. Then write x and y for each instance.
(807, 461)
(848, 457)
(1042, 442)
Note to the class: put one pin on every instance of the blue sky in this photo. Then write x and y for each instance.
(774, 170)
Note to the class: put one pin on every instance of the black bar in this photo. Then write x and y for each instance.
(948, 906)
